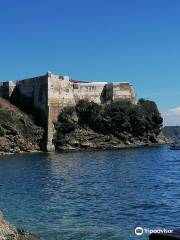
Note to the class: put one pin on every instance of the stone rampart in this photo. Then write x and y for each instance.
(51, 93)
(6, 89)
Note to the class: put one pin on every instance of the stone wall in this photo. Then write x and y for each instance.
(36, 89)
(103, 92)
(90, 91)
(123, 91)
(6, 89)
(60, 95)
(50, 93)
(31, 96)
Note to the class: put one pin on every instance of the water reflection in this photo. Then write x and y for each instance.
(91, 195)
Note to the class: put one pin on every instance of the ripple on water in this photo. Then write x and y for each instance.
(91, 195)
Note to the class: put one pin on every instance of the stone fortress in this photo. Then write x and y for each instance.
(50, 93)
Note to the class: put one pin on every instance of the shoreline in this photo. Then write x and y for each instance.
(19, 153)
(110, 148)
(89, 149)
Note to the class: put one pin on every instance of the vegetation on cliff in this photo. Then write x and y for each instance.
(101, 126)
(18, 133)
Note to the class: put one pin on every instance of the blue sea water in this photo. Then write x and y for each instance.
(92, 195)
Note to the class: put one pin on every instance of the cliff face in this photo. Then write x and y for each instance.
(18, 133)
(116, 125)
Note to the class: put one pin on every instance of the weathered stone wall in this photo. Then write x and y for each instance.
(90, 91)
(103, 92)
(123, 91)
(30, 95)
(60, 95)
(35, 88)
(50, 93)
(6, 89)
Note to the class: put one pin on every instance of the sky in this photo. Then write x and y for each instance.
(136, 41)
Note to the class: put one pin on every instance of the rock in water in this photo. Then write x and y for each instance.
(7, 231)
(175, 235)
(10, 232)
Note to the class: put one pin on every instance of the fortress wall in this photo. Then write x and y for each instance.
(90, 91)
(35, 93)
(41, 93)
(36, 89)
(11, 87)
(6, 89)
(51, 93)
(123, 91)
(103, 92)
(60, 95)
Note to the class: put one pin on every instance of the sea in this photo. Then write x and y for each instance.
(103, 195)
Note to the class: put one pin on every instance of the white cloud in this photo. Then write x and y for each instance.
(175, 110)
(171, 117)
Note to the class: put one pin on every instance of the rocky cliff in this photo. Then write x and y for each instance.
(18, 133)
(86, 126)
(116, 125)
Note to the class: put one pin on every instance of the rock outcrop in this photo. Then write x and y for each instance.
(88, 139)
(112, 126)
(18, 133)
(10, 232)
(174, 235)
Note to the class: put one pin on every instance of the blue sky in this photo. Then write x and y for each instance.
(101, 40)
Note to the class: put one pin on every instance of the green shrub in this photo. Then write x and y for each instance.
(119, 115)
(148, 106)
(119, 118)
(87, 109)
(118, 106)
(138, 120)
(67, 120)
